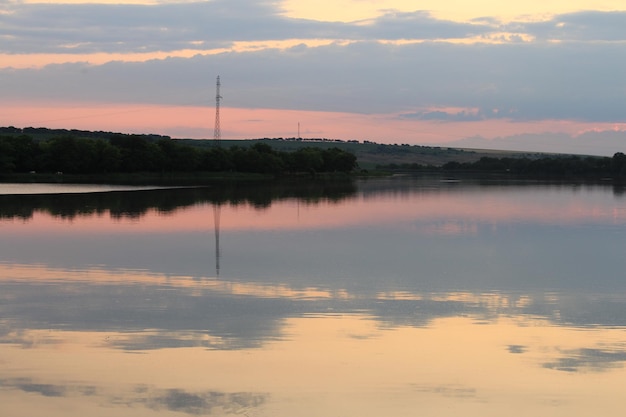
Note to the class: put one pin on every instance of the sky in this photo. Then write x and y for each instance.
(533, 75)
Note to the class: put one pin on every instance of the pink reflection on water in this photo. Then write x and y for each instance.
(438, 212)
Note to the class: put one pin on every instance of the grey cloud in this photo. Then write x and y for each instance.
(579, 26)
(89, 28)
(421, 25)
(521, 82)
(462, 116)
(518, 81)
(85, 28)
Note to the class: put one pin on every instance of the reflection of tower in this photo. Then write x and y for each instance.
(217, 133)
(216, 219)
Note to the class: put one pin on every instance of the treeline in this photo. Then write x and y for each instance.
(46, 133)
(138, 153)
(549, 167)
(541, 167)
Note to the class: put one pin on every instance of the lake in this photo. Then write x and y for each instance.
(383, 297)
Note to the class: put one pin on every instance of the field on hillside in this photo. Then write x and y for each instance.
(370, 154)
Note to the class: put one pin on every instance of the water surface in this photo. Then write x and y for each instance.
(62, 188)
(398, 296)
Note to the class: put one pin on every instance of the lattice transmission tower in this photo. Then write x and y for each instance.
(217, 133)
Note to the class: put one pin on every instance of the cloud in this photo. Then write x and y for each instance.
(524, 82)
(453, 115)
(568, 67)
(91, 28)
(419, 25)
(588, 26)
(126, 28)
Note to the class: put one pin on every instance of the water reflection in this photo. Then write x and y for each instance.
(145, 396)
(222, 314)
(386, 298)
(69, 204)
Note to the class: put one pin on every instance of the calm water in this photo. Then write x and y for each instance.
(391, 297)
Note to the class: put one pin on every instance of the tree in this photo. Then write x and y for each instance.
(337, 160)
(177, 157)
(137, 154)
(305, 160)
(108, 157)
(618, 165)
(70, 155)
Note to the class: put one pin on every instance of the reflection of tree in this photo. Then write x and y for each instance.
(463, 182)
(125, 204)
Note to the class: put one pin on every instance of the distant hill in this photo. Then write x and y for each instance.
(369, 154)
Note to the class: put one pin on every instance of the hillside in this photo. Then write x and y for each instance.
(369, 154)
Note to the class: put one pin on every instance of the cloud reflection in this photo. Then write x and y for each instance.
(376, 306)
(203, 403)
(47, 390)
(167, 340)
(455, 391)
(588, 359)
(517, 349)
(174, 399)
(147, 313)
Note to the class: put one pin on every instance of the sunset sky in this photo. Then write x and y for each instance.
(538, 75)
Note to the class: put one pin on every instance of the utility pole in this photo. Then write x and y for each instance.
(217, 133)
